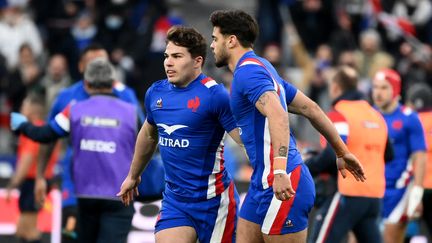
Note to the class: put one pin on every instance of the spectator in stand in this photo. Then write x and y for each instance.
(370, 58)
(16, 29)
(56, 77)
(25, 78)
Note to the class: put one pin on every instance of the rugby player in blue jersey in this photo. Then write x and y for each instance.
(187, 116)
(404, 174)
(281, 192)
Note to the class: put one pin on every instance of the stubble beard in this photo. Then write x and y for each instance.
(223, 60)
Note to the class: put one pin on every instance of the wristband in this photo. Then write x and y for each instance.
(414, 199)
(279, 163)
(278, 172)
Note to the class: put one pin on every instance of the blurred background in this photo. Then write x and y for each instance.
(40, 42)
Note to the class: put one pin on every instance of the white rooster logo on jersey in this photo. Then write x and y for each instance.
(170, 129)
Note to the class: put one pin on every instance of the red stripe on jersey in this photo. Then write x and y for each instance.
(271, 175)
(286, 206)
(252, 60)
(336, 116)
(66, 111)
(219, 182)
(206, 79)
(262, 65)
(231, 217)
(159, 217)
(222, 161)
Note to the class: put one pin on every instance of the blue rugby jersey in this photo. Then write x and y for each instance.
(191, 123)
(253, 76)
(406, 136)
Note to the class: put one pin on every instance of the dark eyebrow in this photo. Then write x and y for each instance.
(172, 54)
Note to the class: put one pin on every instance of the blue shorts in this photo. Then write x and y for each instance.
(281, 217)
(394, 205)
(26, 200)
(214, 220)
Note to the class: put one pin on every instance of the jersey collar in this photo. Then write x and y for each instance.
(246, 55)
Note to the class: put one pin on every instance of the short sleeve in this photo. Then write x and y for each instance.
(416, 135)
(61, 122)
(147, 103)
(253, 81)
(290, 92)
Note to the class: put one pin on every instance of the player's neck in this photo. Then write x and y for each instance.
(391, 107)
(235, 57)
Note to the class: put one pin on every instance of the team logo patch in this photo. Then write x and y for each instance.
(159, 103)
(397, 125)
(288, 223)
(193, 104)
(170, 129)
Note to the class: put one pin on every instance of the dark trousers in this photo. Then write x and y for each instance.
(427, 209)
(340, 214)
(103, 221)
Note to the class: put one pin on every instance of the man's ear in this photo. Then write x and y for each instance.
(232, 41)
(199, 61)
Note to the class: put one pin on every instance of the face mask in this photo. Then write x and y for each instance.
(113, 22)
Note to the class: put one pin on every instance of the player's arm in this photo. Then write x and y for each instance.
(235, 135)
(40, 190)
(302, 105)
(144, 148)
(419, 161)
(419, 157)
(41, 134)
(23, 167)
(418, 146)
(269, 105)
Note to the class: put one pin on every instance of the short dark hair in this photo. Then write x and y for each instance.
(238, 23)
(91, 47)
(190, 38)
(36, 99)
(346, 78)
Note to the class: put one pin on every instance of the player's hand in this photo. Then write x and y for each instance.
(282, 187)
(352, 164)
(129, 189)
(16, 120)
(414, 200)
(40, 191)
